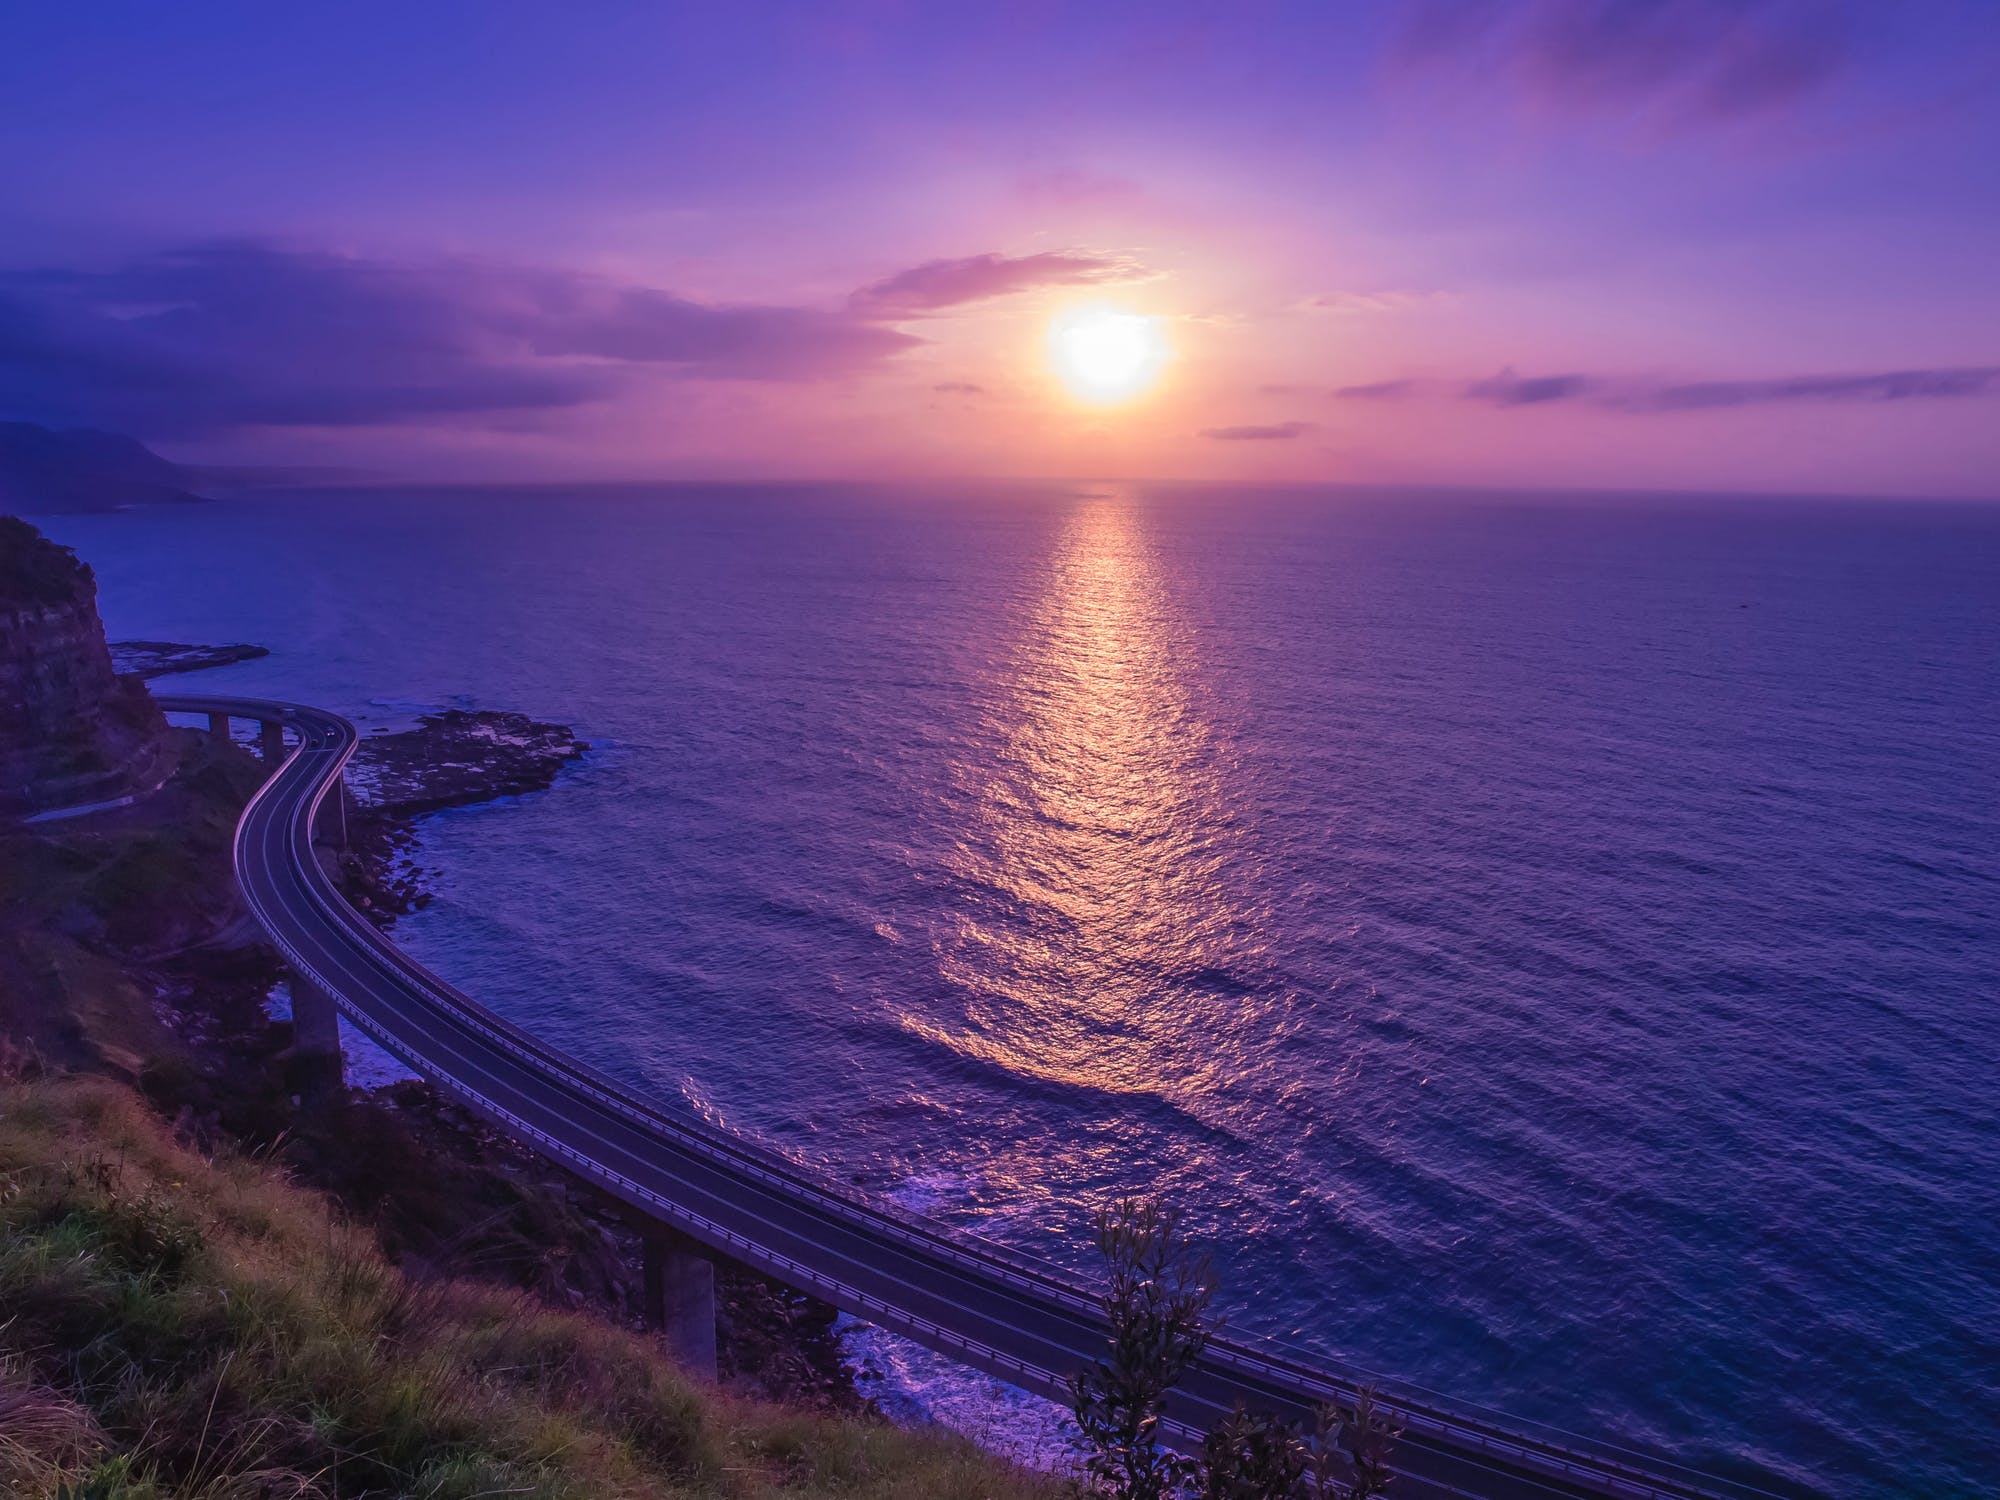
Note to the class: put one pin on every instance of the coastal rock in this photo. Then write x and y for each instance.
(71, 729)
(164, 658)
(459, 758)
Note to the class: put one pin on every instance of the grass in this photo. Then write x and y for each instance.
(179, 1328)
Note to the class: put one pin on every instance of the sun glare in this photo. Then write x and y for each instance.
(1104, 355)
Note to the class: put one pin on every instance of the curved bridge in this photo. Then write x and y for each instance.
(997, 1311)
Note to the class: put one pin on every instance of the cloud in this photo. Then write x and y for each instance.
(1380, 390)
(939, 284)
(223, 336)
(958, 388)
(1708, 60)
(232, 335)
(1888, 385)
(1277, 432)
(1350, 303)
(1511, 389)
(574, 315)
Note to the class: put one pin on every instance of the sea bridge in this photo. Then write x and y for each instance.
(704, 1189)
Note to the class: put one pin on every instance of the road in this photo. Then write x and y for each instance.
(988, 1307)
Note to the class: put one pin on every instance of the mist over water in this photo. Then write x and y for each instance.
(1550, 948)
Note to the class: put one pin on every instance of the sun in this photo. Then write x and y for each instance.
(1105, 355)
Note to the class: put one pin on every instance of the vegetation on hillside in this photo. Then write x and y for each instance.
(175, 1327)
(35, 571)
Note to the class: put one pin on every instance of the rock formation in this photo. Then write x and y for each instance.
(71, 730)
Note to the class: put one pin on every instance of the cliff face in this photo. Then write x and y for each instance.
(71, 729)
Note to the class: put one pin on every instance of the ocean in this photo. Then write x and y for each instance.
(1547, 945)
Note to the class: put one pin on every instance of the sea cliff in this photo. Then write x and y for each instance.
(71, 729)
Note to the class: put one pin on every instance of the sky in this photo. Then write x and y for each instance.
(1739, 245)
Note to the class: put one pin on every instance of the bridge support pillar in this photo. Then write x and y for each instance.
(680, 1299)
(218, 728)
(333, 813)
(315, 1039)
(272, 741)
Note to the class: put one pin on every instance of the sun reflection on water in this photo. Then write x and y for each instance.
(1096, 942)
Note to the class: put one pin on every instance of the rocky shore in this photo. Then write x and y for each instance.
(551, 1233)
(164, 658)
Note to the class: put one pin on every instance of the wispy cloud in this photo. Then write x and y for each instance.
(1380, 390)
(1698, 59)
(1276, 432)
(1511, 389)
(1628, 393)
(959, 388)
(1358, 303)
(1888, 385)
(937, 285)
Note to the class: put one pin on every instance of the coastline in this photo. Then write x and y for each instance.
(136, 959)
(460, 759)
(769, 1336)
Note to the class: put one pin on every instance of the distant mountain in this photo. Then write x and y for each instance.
(44, 470)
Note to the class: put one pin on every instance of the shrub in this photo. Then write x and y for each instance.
(1157, 1298)
(1253, 1457)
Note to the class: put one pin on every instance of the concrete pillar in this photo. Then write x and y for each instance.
(218, 728)
(333, 813)
(680, 1299)
(272, 741)
(315, 1038)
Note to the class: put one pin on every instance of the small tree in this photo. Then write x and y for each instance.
(1157, 1298)
(1363, 1435)
(1253, 1457)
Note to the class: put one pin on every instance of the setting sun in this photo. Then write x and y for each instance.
(1104, 355)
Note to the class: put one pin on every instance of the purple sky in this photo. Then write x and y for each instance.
(1734, 244)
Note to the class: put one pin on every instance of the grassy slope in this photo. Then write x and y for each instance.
(174, 1326)
(81, 902)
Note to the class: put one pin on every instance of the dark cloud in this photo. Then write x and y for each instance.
(225, 336)
(1707, 59)
(579, 316)
(1624, 393)
(958, 388)
(1509, 389)
(1276, 432)
(1889, 385)
(939, 284)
